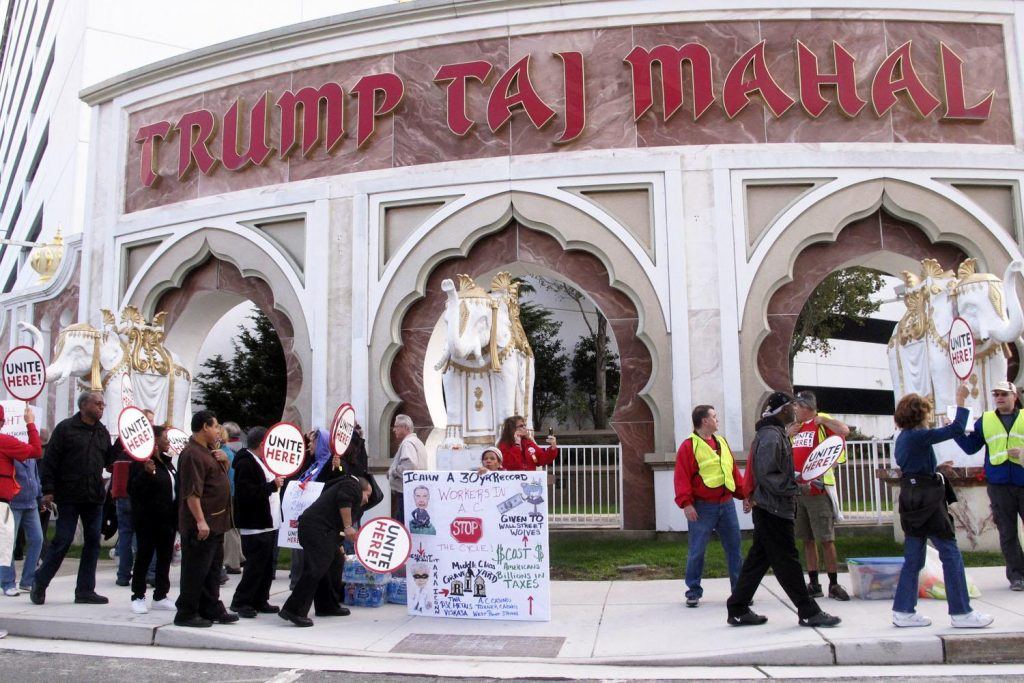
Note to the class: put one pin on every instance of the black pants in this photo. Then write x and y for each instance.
(398, 506)
(201, 562)
(152, 538)
(253, 589)
(775, 547)
(1007, 505)
(320, 579)
(91, 515)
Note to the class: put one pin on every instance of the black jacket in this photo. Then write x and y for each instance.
(153, 504)
(355, 458)
(73, 464)
(772, 461)
(252, 492)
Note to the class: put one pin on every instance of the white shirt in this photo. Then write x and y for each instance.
(275, 505)
(411, 455)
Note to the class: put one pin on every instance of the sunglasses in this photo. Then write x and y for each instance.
(1000, 393)
(421, 576)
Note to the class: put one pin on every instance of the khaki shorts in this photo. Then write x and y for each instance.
(815, 519)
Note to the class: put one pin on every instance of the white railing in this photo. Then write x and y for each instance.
(862, 497)
(585, 487)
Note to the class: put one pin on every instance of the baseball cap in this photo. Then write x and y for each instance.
(807, 399)
(775, 403)
(1005, 386)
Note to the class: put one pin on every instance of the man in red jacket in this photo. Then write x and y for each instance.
(706, 481)
(12, 449)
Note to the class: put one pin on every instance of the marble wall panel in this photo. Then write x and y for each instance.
(168, 189)
(608, 94)
(637, 439)
(422, 135)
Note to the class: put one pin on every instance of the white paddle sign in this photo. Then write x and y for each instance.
(383, 545)
(136, 434)
(342, 428)
(24, 373)
(284, 449)
(178, 440)
(961, 348)
(822, 458)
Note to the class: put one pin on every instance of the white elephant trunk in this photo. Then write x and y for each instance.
(1011, 330)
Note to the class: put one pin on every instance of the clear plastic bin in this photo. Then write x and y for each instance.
(362, 595)
(355, 572)
(874, 578)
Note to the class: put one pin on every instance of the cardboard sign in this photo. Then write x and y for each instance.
(178, 440)
(14, 420)
(822, 458)
(136, 434)
(24, 373)
(297, 497)
(479, 545)
(383, 545)
(961, 348)
(283, 449)
(342, 428)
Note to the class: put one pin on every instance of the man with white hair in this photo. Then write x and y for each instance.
(411, 455)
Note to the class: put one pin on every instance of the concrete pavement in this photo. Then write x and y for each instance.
(616, 624)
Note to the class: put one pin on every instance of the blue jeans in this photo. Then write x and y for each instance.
(914, 548)
(125, 539)
(29, 521)
(91, 515)
(719, 517)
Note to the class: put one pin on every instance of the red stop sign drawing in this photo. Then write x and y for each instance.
(467, 529)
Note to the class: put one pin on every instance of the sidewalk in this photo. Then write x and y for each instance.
(634, 623)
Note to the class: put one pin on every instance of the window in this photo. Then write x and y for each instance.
(38, 158)
(42, 80)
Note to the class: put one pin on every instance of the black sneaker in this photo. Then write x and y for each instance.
(37, 594)
(814, 589)
(821, 620)
(193, 622)
(90, 599)
(1017, 585)
(340, 612)
(267, 608)
(245, 611)
(692, 602)
(225, 618)
(837, 592)
(747, 619)
(295, 618)
(232, 570)
(123, 582)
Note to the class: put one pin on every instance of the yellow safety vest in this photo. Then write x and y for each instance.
(829, 478)
(715, 470)
(998, 440)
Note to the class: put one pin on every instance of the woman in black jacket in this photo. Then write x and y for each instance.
(153, 490)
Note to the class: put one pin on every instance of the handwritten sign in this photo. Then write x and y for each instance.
(342, 428)
(383, 545)
(961, 348)
(479, 545)
(283, 449)
(178, 440)
(14, 420)
(822, 458)
(136, 434)
(24, 373)
(297, 497)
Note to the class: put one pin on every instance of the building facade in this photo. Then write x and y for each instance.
(695, 172)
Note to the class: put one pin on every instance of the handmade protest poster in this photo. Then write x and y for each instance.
(297, 497)
(14, 420)
(479, 545)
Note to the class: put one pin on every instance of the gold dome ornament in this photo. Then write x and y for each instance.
(45, 259)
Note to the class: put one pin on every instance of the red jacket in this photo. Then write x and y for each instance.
(690, 487)
(10, 450)
(513, 460)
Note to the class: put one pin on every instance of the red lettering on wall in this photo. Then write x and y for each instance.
(736, 91)
(844, 79)
(149, 174)
(575, 96)
(503, 98)
(196, 129)
(671, 59)
(953, 88)
(332, 97)
(390, 86)
(257, 144)
(457, 75)
(895, 74)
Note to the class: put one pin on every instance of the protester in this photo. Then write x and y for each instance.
(815, 515)
(519, 453)
(124, 548)
(771, 491)
(1001, 433)
(71, 474)
(411, 455)
(152, 488)
(320, 528)
(924, 511)
(324, 468)
(204, 516)
(490, 460)
(230, 443)
(257, 506)
(706, 478)
(20, 493)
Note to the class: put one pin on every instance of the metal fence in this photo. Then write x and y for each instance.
(585, 487)
(862, 497)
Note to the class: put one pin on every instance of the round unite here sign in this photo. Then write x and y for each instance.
(24, 373)
(284, 449)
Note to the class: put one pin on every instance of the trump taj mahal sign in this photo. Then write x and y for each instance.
(678, 77)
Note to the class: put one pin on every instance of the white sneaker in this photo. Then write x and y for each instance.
(139, 606)
(12, 592)
(165, 604)
(973, 619)
(910, 619)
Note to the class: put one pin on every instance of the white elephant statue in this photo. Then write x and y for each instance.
(129, 364)
(918, 349)
(487, 364)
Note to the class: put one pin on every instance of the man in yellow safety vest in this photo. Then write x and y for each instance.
(706, 480)
(1001, 432)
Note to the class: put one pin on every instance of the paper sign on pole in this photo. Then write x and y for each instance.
(297, 497)
(24, 373)
(479, 545)
(822, 458)
(383, 545)
(14, 420)
(961, 348)
(342, 428)
(178, 440)
(284, 449)
(136, 434)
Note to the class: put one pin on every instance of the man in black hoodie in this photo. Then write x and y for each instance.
(772, 490)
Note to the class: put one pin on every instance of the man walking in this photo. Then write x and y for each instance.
(204, 516)
(705, 481)
(1001, 432)
(411, 455)
(72, 476)
(815, 517)
(771, 491)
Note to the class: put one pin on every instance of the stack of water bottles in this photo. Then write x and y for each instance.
(364, 588)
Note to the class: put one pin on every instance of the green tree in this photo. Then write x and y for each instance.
(585, 376)
(250, 387)
(845, 296)
(550, 359)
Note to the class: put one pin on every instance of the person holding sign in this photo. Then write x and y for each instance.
(320, 529)
(14, 451)
(815, 516)
(771, 491)
(1001, 433)
(924, 511)
(152, 489)
(519, 452)
(705, 484)
(411, 455)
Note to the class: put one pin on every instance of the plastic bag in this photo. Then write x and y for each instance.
(930, 583)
